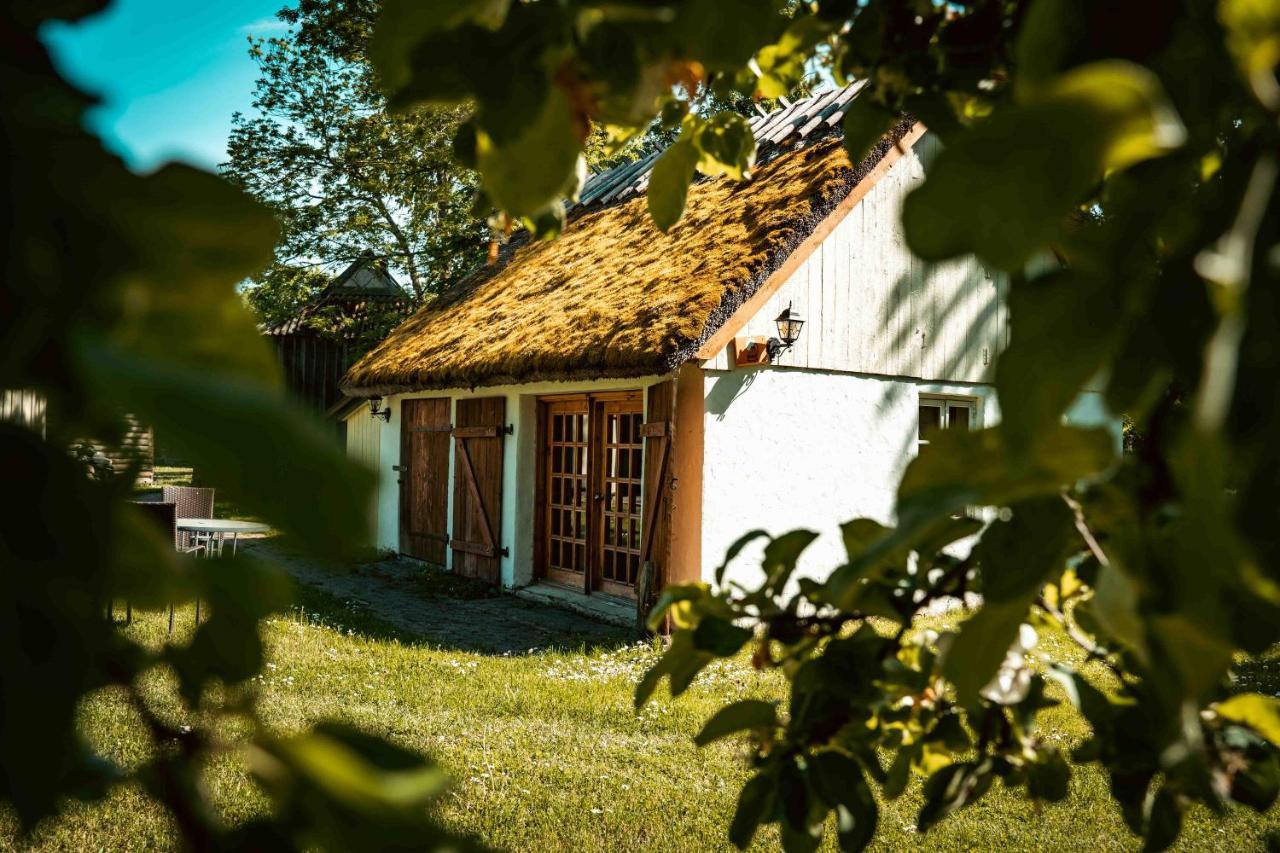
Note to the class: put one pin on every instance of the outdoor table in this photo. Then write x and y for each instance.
(228, 526)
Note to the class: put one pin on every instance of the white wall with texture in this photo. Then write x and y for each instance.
(790, 448)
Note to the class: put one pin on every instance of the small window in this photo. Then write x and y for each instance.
(939, 413)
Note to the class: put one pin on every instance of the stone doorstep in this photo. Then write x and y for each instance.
(604, 608)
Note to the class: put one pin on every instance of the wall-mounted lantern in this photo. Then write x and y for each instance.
(376, 410)
(789, 324)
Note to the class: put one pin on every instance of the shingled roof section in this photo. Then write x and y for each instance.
(365, 281)
(615, 297)
(805, 120)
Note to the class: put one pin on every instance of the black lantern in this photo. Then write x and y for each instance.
(376, 410)
(789, 324)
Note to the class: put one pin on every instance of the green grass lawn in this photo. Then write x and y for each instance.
(547, 753)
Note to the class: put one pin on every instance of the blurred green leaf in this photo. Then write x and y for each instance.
(1065, 319)
(724, 34)
(781, 555)
(994, 194)
(973, 468)
(719, 636)
(800, 839)
(227, 646)
(248, 439)
(782, 63)
(148, 572)
(1164, 820)
(735, 549)
(1253, 34)
(839, 781)
(357, 790)
(1050, 31)
(1049, 777)
(754, 804)
(680, 664)
(1258, 712)
(899, 773)
(525, 174)
(980, 647)
(1196, 657)
(51, 592)
(669, 183)
(953, 788)
(865, 123)
(402, 24)
(1020, 555)
(672, 595)
(727, 146)
(1090, 701)
(735, 717)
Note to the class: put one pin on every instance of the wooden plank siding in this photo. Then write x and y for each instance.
(137, 448)
(24, 408)
(871, 306)
(29, 409)
(424, 479)
(477, 489)
(364, 447)
(312, 367)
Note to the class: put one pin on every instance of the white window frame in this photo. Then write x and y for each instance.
(947, 402)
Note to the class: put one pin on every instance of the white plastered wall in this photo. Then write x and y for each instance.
(791, 448)
(519, 465)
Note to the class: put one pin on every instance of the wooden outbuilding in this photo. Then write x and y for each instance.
(317, 345)
(135, 451)
(620, 398)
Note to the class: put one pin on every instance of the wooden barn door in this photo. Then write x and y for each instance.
(654, 541)
(424, 479)
(477, 488)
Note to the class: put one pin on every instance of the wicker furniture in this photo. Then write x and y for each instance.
(165, 516)
(221, 528)
(192, 502)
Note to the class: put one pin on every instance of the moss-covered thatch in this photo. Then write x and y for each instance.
(613, 296)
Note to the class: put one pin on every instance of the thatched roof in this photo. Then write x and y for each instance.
(613, 296)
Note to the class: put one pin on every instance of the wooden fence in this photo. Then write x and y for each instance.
(312, 368)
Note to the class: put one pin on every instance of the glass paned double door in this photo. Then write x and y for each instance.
(590, 501)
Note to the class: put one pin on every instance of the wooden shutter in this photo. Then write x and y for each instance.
(657, 432)
(478, 435)
(424, 479)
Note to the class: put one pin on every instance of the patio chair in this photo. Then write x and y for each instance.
(164, 514)
(193, 502)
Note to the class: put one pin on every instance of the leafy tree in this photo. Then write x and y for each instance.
(1137, 143)
(279, 292)
(342, 175)
(118, 292)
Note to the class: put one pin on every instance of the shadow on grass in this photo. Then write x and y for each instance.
(506, 616)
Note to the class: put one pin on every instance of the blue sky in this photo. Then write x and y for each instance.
(170, 74)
